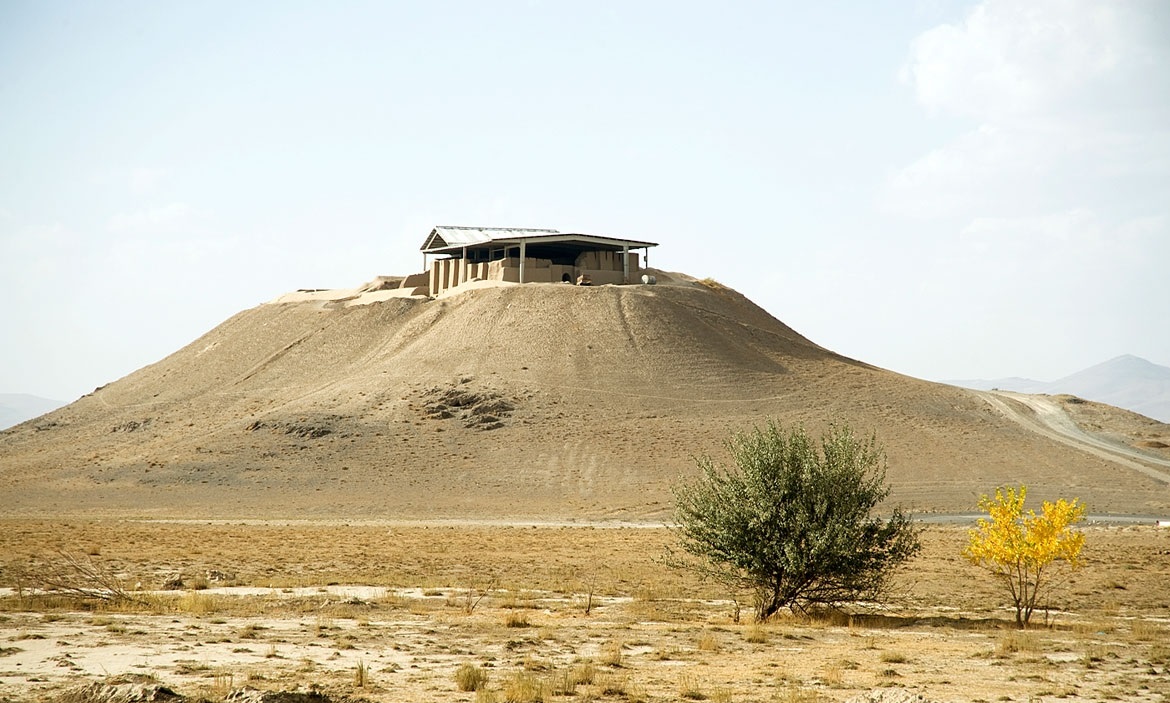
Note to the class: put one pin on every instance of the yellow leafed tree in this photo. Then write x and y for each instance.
(1022, 548)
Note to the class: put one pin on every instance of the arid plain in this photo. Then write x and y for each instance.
(364, 496)
(390, 613)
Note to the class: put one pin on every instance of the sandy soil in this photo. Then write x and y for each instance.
(578, 613)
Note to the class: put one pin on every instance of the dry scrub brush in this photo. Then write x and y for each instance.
(78, 577)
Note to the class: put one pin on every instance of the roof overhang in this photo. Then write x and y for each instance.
(474, 238)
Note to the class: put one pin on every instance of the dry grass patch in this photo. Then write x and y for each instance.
(515, 619)
(611, 654)
(690, 688)
(707, 642)
(1018, 642)
(524, 687)
(469, 677)
(1146, 631)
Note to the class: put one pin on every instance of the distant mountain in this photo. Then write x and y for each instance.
(15, 408)
(1128, 382)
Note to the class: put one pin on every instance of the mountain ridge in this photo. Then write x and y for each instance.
(1125, 381)
(16, 408)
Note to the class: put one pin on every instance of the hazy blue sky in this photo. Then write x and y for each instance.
(945, 189)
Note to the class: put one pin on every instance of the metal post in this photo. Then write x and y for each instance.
(522, 251)
(625, 263)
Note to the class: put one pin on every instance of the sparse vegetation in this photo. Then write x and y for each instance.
(792, 521)
(515, 619)
(403, 644)
(523, 687)
(611, 654)
(361, 675)
(78, 577)
(469, 677)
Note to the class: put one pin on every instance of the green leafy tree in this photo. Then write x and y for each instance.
(793, 520)
(1023, 550)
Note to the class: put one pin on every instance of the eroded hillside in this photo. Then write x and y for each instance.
(536, 401)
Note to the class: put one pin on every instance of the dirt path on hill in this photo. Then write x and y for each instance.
(1047, 418)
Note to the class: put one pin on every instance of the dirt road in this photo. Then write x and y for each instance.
(1046, 417)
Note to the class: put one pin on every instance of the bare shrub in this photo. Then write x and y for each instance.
(80, 577)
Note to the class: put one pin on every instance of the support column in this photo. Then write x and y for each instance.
(625, 263)
(463, 267)
(522, 254)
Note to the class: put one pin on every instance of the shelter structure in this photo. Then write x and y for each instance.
(527, 256)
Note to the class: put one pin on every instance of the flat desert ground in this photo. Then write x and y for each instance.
(391, 611)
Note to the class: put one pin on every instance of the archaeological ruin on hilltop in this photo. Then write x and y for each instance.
(527, 256)
(456, 255)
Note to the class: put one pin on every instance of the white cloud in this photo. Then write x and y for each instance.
(1071, 98)
(1011, 58)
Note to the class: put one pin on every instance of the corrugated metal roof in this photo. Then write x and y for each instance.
(447, 238)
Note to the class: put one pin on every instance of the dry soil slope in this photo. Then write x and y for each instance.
(598, 398)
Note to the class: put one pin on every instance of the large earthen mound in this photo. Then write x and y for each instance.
(536, 401)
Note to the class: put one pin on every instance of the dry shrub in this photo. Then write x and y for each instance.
(221, 684)
(797, 694)
(1159, 655)
(611, 654)
(531, 663)
(1146, 631)
(561, 683)
(1093, 628)
(612, 684)
(707, 642)
(690, 689)
(197, 603)
(833, 675)
(523, 687)
(486, 695)
(515, 619)
(1017, 641)
(469, 677)
(1094, 654)
(583, 673)
(756, 635)
(77, 577)
(520, 599)
(712, 284)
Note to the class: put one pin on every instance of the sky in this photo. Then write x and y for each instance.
(950, 190)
